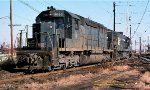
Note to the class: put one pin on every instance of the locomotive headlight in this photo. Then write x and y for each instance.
(51, 27)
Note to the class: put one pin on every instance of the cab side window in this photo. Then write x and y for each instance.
(76, 24)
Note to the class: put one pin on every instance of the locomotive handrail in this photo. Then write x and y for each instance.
(50, 39)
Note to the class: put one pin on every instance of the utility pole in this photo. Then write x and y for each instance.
(113, 32)
(113, 26)
(21, 38)
(140, 45)
(130, 34)
(11, 29)
(27, 36)
(114, 5)
(148, 45)
(130, 41)
(135, 46)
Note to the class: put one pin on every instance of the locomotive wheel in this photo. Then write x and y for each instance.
(22, 61)
(63, 67)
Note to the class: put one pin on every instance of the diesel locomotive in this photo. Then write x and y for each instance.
(61, 39)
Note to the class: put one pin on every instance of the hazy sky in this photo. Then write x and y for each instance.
(98, 10)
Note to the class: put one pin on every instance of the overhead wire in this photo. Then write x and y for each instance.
(141, 19)
(23, 2)
(4, 21)
(144, 31)
(5, 17)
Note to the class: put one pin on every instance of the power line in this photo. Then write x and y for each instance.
(28, 6)
(141, 18)
(137, 1)
(5, 17)
(144, 31)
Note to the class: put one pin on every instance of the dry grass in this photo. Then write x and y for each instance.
(120, 68)
(106, 71)
(8, 87)
(146, 77)
(63, 82)
(133, 72)
(142, 86)
(75, 78)
(144, 81)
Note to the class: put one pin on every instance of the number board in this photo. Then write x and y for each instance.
(57, 13)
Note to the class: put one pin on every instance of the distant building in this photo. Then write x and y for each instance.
(1, 49)
(5, 49)
(148, 48)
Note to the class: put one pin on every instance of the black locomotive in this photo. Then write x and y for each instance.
(62, 39)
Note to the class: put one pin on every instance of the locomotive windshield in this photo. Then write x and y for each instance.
(59, 23)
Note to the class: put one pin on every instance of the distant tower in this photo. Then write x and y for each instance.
(4, 45)
(148, 46)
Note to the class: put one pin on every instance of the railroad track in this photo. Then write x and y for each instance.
(47, 74)
(145, 59)
(28, 76)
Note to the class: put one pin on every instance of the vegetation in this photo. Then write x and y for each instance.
(7, 64)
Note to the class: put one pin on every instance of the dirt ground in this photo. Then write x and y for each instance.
(127, 74)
